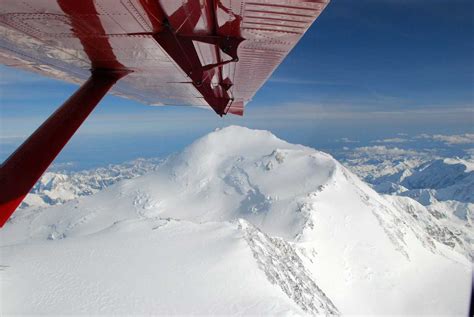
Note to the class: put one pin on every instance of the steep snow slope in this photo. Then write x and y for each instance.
(315, 239)
(458, 235)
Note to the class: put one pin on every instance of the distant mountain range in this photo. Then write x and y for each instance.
(55, 188)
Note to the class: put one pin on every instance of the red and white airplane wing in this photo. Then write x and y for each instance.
(215, 53)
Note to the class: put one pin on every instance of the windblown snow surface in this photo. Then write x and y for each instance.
(240, 222)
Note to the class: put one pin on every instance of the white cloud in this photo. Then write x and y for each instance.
(392, 140)
(347, 140)
(467, 138)
(383, 150)
(455, 139)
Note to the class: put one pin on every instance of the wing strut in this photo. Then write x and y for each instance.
(24, 167)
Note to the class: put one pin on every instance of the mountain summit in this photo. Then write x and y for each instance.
(238, 222)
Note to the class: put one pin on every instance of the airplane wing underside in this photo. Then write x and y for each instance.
(200, 53)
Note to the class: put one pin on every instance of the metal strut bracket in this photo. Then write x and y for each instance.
(176, 34)
(24, 167)
(181, 49)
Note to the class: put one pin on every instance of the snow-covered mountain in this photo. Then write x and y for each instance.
(443, 179)
(443, 186)
(239, 222)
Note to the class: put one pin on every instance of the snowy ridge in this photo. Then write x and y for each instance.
(457, 237)
(237, 210)
(283, 267)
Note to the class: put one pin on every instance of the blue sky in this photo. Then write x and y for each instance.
(366, 70)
